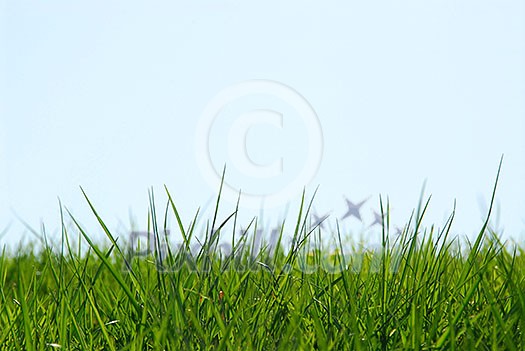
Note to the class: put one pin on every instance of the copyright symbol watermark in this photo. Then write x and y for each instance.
(269, 137)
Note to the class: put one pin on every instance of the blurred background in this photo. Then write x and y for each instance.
(361, 99)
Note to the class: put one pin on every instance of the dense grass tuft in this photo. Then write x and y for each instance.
(423, 290)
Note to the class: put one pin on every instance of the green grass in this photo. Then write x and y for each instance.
(423, 290)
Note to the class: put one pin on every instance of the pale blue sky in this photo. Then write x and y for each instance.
(108, 95)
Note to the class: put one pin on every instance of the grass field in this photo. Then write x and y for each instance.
(424, 290)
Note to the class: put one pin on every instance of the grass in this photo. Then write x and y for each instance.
(424, 290)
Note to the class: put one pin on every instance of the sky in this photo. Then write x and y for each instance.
(357, 99)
